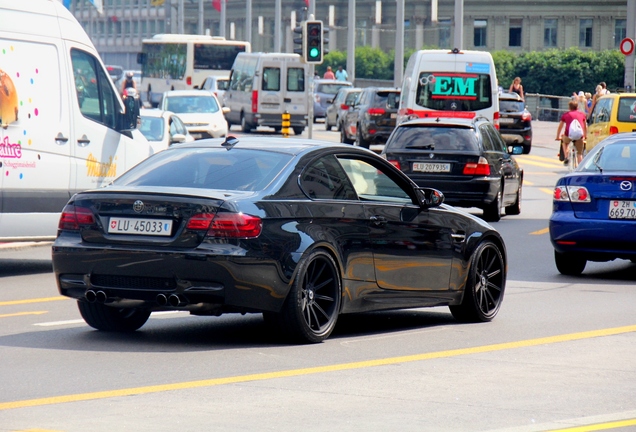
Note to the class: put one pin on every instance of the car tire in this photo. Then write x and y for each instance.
(569, 264)
(298, 130)
(527, 147)
(327, 125)
(492, 211)
(360, 141)
(311, 309)
(343, 136)
(245, 126)
(515, 208)
(485, 285)
(107, 318)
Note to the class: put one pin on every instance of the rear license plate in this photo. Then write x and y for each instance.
(153, 227)
(506, 120)
(431, 167)
(393, 115)
(622, 209)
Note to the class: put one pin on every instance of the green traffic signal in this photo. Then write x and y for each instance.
(314, 53)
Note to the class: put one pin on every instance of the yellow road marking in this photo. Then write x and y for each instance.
(541, 231)
(540, 158)
(556, 164)
(527, 183)
(599, 426)
(315, 370)
(547, 190)
(34, 300)
(22, 313)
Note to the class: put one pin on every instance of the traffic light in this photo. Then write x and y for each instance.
(299, 41)
(313, 42)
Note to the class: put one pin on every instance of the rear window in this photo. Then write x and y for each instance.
(330, 88)
(433, 138)
(620, 156)
(510, 106)
(209, 168)
(352, 98)
(450, 91)
(627, 109)
(388, 100)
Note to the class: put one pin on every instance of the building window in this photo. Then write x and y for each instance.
(444, 29)
(550, 32)
(514, 33)
(620, 32)
(585, 32)
(127, 29)
(481, 27)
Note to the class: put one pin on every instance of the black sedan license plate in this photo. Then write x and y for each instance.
(431, 167)
(153, 227)
(622, 209)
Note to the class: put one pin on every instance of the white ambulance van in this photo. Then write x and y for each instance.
(443, 83)
(63, 126)
(265, 85)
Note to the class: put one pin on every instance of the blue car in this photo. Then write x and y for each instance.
(594, 207)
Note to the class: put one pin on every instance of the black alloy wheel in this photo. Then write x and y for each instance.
(327, 125)
(311, 309)
(485, 286)
(113, 319)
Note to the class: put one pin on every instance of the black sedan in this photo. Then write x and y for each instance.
(298, 230)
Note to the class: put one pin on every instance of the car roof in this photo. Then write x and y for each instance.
(332, 81)
(624, 136)
(444, 121)
(383, 89)
(187, 93)
(154, 112)
(617, 95)
(275, 144)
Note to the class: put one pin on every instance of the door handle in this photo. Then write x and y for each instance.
(61, 139)
(378, 220)
(458, 237)
(83, 141)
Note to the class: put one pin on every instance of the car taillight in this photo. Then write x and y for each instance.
(575, 194)
(189, 80)
(235, 225)
(254, 101)
(613, 130)
(479, 168)
(376, 111)
(200, 221)
(344, 107)
(395, 164)
(495, 120)
(73, 217)
(526, 116)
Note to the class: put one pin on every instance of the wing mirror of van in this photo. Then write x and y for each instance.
(131, 115)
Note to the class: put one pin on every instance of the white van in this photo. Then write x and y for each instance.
(454, 83)
(265, 85)
(64, 127)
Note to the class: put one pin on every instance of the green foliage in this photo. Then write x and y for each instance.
(561, 72)
(555, 72)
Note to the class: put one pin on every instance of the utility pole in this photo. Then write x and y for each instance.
(459, 25)
(631, 33)
(351, 41)
(398, 68)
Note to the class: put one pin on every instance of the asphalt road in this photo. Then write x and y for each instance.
(559, 356)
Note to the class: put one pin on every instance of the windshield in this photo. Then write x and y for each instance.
(450, 91)
(191, 104)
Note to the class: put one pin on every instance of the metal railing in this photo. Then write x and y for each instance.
(547, 107)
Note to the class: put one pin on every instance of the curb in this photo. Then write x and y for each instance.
(23, 245)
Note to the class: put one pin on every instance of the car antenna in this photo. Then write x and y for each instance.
(230, 142)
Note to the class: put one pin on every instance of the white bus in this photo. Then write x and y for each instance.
(183, 62)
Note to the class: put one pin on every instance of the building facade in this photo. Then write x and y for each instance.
(491, 25)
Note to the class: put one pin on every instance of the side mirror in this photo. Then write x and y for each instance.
(177, 138)
(430, 197)
(225, 110)
(132, 115)
(515, 149)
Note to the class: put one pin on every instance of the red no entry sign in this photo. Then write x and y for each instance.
(627, 46)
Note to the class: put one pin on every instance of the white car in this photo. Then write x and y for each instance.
(200, 111)
(163, 128)
(216, 85)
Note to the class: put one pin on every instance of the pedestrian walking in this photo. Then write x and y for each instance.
(329, 74)
(341, 74)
